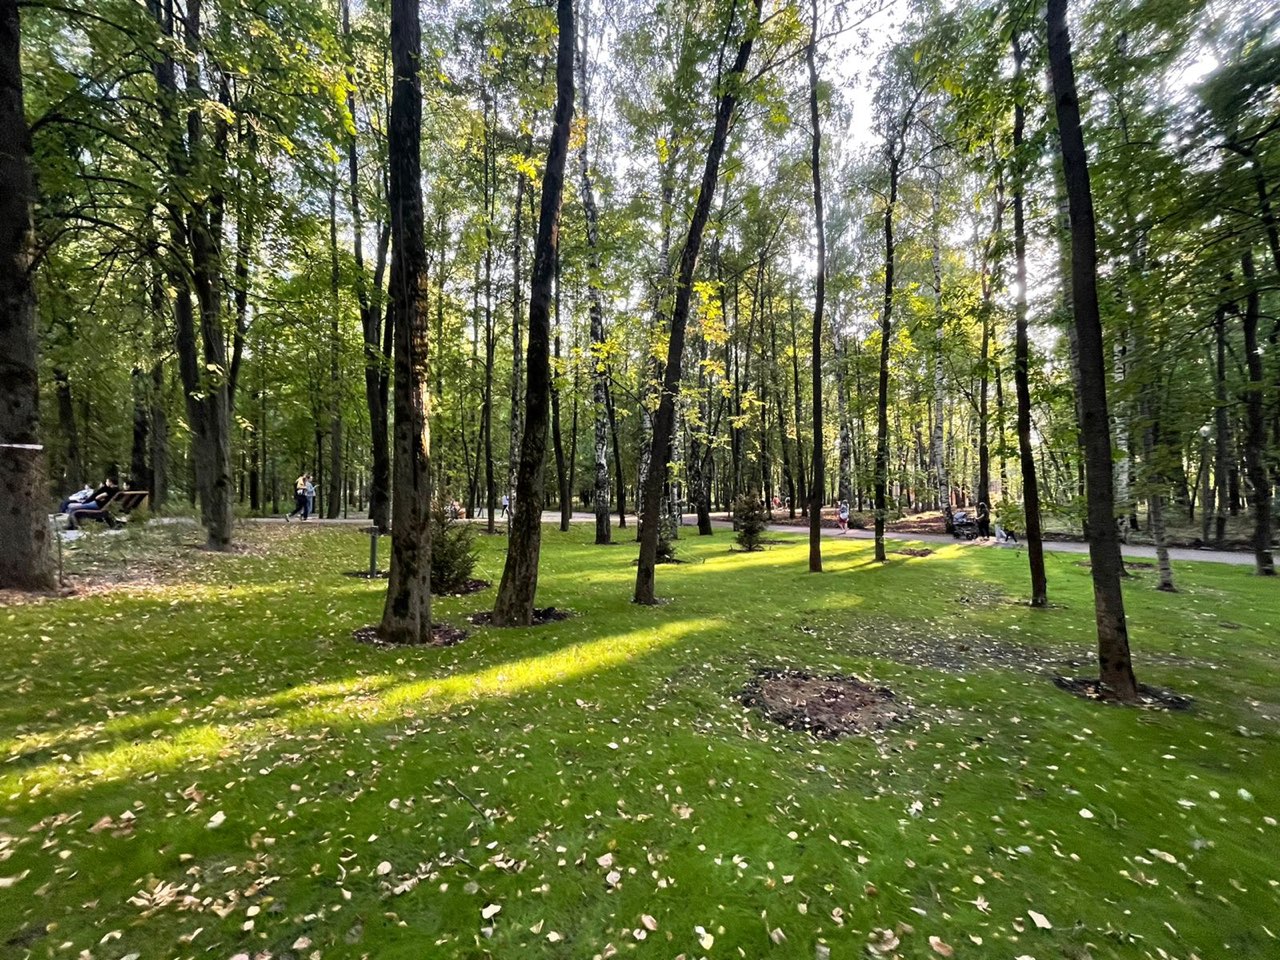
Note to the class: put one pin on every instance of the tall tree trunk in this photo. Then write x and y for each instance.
(557, 439)
(25, 559)
(375, 361)
(490, 331)
(801, 474)
(818, 485)
(159, 471)
(1255, 452)
(514, 419)
(896, 148)
(664, 421)
(406, 617)
(1223, 455)
(1032, 532)
(937, 450)
(138, 479)
(595, 303)
(73, 468)
(1114, 662)
(617, 454)
(514, 606)
(335, 355)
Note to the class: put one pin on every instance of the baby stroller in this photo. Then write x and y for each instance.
(964, 525)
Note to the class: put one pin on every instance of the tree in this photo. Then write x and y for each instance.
(1021, 374)
(514, 605)
(664, 418)
(25, 560)
(599, 368)
(818, 487)
(1116, 668)
(406, 617)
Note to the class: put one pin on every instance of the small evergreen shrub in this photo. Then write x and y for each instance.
(750, 516)
(454, 552)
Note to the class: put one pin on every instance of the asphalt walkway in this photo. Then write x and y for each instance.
(1134, 551)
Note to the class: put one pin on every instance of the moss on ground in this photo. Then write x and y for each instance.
(206, 764)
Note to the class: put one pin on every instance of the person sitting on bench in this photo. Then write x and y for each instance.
(95, 508)
(79, 498)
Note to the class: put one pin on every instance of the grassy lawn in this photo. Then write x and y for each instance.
(209, 766)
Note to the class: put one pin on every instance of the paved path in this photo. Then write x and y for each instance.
(1135, 551)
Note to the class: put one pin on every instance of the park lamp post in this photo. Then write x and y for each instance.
(1206, 507)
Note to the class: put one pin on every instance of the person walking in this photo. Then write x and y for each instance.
(301, 505)
(842, 517)
(311, 498)
(984, 520)
(506, 507)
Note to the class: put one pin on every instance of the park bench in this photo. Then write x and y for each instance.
(123, 502)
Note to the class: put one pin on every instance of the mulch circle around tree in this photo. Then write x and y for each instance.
(915, 552)
(1090, 688)
(366, 575)
(828, 707)
(442, 635)
(541, 615)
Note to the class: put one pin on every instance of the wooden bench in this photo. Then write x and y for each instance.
(124, 501)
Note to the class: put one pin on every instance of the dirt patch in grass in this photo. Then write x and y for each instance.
(541, 615)
(1090, 688)
(366, 575)
(915, 552)
(442, 635)
(827, 707)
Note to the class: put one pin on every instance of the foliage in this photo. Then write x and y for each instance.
(750, 517)
(454, 551)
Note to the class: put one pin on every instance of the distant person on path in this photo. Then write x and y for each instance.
(842, 516)
(984, 520)
(506, 506)
(301, 502)
(311, 498)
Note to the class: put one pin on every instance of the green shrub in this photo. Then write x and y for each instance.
(750, 517)
(454, 551)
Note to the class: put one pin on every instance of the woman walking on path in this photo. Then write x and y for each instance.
(842, 516)
(301, 499)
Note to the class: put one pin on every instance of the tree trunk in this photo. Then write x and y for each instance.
(406, 617)
(138, 479)
(1222, 429)
(335, 354)
(517, 339)
(159, 472)
(557, 439)
(896, 148)
(664, 421)
(818, 484)
(937, 449)
(1255, 452)
(595, 305)
(1115, 666)
(617, 454)
(514, 606)
(1022, 386)
(25, 559)
(73, 469)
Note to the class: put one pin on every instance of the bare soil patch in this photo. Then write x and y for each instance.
(541, 615)
(1090, 688)
(828, 707)
(442, 635)
(915, 551)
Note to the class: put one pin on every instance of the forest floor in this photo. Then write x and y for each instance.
(200, 761)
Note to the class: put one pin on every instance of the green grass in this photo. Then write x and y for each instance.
(275, 789)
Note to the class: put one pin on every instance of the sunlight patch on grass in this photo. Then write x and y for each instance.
(365, 699)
